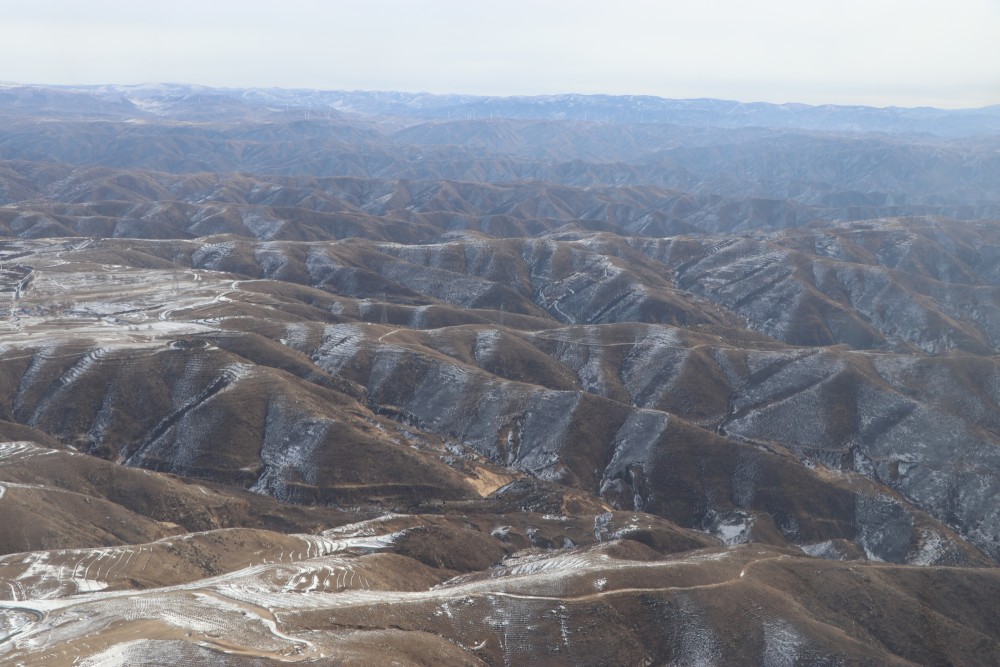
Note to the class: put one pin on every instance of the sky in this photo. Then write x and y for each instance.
(872, 52)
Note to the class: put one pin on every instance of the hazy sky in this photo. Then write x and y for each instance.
(878, 52)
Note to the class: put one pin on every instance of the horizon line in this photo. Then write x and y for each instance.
(19, 84)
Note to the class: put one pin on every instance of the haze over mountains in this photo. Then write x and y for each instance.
(342, 377)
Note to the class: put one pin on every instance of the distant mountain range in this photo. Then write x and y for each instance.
(167, 99)
(713, 152)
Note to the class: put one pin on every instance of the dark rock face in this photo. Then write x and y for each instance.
(491, 393)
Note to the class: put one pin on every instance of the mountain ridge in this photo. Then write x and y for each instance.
(282, 383)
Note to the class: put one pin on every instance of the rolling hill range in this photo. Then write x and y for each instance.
(342, 378)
